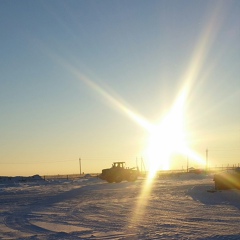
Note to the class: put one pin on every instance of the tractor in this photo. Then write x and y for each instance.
(118, 173)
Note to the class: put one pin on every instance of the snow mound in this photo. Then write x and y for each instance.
(34, 178)
(202, 194)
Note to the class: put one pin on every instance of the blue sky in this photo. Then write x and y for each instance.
(138, 52)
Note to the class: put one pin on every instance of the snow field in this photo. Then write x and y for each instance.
(174, 208)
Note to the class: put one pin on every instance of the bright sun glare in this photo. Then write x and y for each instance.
(166, 138)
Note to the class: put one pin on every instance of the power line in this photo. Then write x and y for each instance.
(36, 162)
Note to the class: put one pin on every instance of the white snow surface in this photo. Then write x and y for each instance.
(174, 208)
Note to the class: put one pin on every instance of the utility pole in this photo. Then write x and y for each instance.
(80, 166)
(187, 164)
(206, 160)
(143, 166)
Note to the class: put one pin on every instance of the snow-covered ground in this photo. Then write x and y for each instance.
(173, 208)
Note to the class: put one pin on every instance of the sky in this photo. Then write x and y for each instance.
(106, 81)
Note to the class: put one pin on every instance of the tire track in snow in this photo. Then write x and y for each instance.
(170, 213)
(19, 219)
(95, 207)
(20, 222)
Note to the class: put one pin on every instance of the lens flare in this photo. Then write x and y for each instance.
(169, 136)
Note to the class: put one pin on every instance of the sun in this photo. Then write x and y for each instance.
(166, 139)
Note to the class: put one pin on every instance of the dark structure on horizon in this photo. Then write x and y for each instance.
(227, 180)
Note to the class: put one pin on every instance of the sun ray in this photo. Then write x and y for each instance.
(110, 98)
(116, 103)
(163, 129)
(168, 136)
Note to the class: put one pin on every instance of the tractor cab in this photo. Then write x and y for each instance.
(118, 165)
